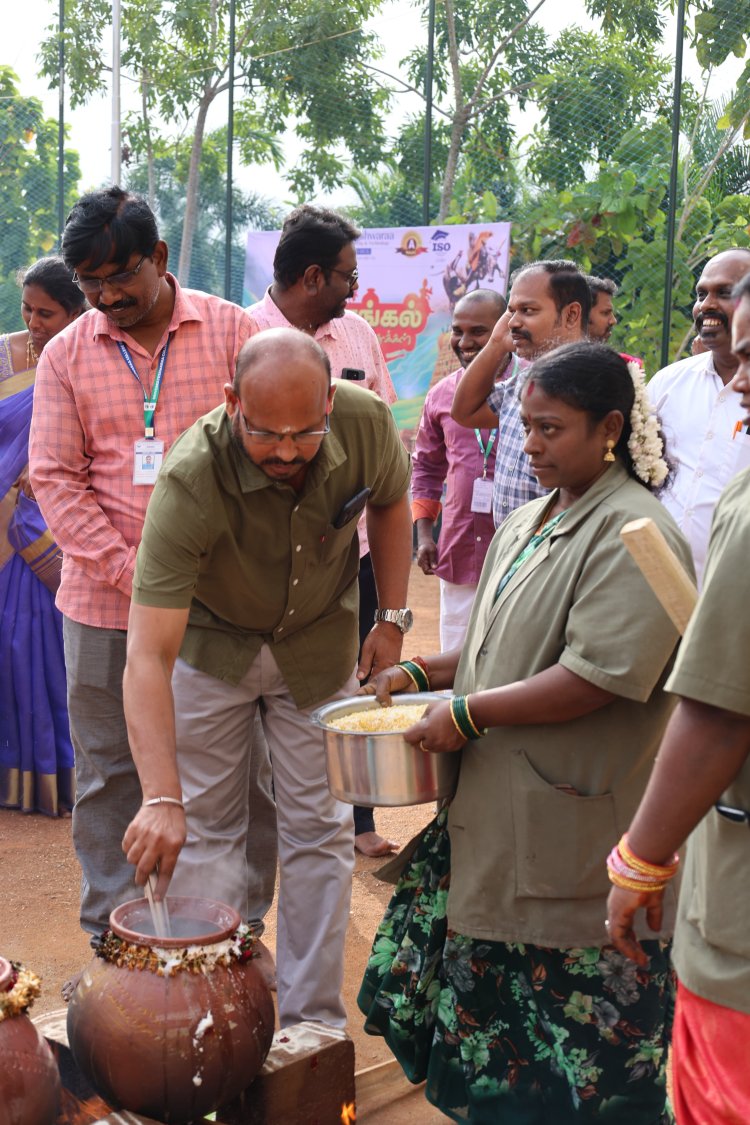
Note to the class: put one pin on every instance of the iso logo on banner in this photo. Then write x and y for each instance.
(440, 240)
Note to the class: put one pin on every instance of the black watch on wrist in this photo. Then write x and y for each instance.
(401, 617)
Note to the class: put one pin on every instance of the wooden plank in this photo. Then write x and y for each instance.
(387, 1079)
(665, 574)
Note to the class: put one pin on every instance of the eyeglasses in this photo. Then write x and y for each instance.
(737, 816)
(305, 438)
(116, 280)
(352, 276)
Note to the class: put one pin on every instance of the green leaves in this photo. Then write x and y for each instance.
(28, 189)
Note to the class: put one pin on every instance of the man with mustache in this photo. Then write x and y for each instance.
(602, 318)
(548, 305)
(246, 585)
(111, 396)
(699, 410)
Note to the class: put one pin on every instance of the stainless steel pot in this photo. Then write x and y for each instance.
(381, 768)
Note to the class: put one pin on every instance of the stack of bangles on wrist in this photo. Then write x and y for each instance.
(462, 719)
(418, 672)
(627, 870)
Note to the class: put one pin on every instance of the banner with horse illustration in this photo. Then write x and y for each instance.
(410, 279)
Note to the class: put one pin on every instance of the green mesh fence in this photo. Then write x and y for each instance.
(565, 130)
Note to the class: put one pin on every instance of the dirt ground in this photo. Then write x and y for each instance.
(39, 911)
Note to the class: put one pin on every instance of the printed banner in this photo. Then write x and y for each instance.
(410, 278)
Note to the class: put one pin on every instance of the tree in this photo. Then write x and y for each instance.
(167, 171)
(28, 189)
(613, 224)
(296, 66)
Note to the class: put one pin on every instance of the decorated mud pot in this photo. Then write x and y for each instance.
(172, 1027)
(29, 1080)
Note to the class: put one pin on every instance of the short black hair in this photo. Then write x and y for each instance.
(599, 285)
(567, 284)
(53, 276)
(595, 379)
(485, 296)
(311, 236)
(108, 225)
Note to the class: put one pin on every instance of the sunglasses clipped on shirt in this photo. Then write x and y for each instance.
(737, 816)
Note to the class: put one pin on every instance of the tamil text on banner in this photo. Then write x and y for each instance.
(410, 278)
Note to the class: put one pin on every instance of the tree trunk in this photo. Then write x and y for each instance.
(460, 122)
(149, 142)
(459, 116)
(191, 197)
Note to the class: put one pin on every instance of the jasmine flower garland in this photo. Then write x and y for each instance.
(645, 443)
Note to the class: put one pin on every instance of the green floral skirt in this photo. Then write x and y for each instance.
(512, 1033)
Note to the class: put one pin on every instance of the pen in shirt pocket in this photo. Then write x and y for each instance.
(739, 427)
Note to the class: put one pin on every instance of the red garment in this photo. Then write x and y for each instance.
(710, 1073)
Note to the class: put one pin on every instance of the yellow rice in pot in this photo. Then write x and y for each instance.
(379, 720)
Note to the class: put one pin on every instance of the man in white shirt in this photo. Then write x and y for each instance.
(700, 414)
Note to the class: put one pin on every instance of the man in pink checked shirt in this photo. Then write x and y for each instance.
(464, 459)
(315, 274)
(143, 363)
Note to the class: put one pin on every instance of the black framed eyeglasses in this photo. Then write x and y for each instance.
(737, 816)
(352, 276)
(305, 438)
(116, 280)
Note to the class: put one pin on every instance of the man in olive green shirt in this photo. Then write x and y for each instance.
(701, 784)
(246, 586)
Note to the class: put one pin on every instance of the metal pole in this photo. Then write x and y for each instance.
(428, 115)
(116, 138)
(61, 122)
(672, 212)
(230, 147)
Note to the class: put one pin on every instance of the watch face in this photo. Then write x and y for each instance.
(407, 619)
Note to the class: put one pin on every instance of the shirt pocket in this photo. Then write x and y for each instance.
(561, 841)
(741, 459)
(335, 542)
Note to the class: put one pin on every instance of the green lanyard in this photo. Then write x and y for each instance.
(528, 551)
(485, 450)
(149, 402)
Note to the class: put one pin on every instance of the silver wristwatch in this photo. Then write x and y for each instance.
(401, 617)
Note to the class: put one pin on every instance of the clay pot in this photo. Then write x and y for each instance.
(29, 1079)
(175, 1046)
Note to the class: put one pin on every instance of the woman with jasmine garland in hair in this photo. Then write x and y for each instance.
(491, 974)
(36, 755)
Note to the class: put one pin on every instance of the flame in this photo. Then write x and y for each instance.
(81, 1111)
(348, 1114)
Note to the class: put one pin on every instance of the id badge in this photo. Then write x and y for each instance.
(148, 454)
(481, 495)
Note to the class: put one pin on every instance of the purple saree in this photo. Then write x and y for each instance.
(36, 755)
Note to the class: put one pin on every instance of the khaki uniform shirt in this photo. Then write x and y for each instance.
(712, 940)
(527, 860)
(255, 561)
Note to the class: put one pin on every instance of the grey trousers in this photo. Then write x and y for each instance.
(315, 831)
(108, 792)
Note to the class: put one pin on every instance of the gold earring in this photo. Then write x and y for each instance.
(609, 455)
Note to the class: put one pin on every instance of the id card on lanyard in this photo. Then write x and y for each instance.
(481, 493)
(148, 451)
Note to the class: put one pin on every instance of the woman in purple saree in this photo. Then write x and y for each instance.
(36, 755)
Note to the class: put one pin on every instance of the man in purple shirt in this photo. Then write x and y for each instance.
(462, 459)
